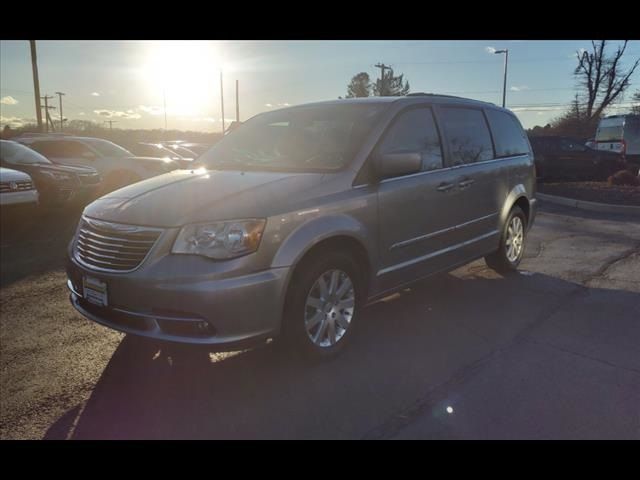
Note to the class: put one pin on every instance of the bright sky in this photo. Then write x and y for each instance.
(127, 81)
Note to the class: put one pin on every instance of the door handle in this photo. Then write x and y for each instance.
(466, 183)
(445, 187)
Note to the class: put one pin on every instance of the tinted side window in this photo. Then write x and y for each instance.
(415, 131)
(507, 133)
(60, 149)
(48, 149)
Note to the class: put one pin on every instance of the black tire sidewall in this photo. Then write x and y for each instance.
(294, 332)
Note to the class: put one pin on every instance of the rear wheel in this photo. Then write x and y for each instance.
(512, 241)
(323, 305)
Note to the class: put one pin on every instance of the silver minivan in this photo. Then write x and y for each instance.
(298, 218)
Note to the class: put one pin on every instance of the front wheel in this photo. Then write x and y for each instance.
(508, 256)
(323, 305)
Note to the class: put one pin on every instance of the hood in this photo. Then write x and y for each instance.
(10, 175)
(189, 196)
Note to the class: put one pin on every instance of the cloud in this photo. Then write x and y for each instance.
(271, 105)
(118, 114)
(519, 88)
(8, 100)
(151, 109)
(490, 50)
(16, 122)
(95, 94)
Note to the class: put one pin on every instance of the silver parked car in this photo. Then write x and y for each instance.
(301, 216)
(16, 188)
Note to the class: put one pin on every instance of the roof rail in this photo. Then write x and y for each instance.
(423, 94)
(44, 134)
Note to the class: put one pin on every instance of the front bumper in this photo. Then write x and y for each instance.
(19, 197)
(225, 312)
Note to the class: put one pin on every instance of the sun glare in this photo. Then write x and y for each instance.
(184, 73)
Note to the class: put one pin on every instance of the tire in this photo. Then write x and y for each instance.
(309, 313)
(504, 260)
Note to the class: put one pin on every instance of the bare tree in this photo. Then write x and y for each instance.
(601, 77)
(360, 86)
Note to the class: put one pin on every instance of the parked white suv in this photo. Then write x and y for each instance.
(16, 188)
(117, 166)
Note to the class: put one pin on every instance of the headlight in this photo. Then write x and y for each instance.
(57, 175)
(220, 240)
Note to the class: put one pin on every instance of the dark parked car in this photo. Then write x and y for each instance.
(300, 217)
(118, 166)
(56, 184)
(567, 158)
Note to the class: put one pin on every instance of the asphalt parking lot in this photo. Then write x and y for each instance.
(551, 352)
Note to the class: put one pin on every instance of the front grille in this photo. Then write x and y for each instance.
(89, 178)
(19, 186)
(113, 247)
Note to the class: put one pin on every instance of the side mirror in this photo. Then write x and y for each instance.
(396, 164)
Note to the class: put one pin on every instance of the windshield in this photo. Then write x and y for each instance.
(18, 154)
(609, 133)
(107, 149)
(312, 138)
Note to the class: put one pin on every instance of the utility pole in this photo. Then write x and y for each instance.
(47, 107)
(237, 103)
(222, 101)
(382, 68)
(111, 122)
(60, 94)
(36, 83)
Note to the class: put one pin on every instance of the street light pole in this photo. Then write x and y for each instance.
(504, 86)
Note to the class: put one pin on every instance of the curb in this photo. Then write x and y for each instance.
(592, 206)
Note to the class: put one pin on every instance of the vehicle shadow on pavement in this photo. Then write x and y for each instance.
(419, 344)
(36, 242)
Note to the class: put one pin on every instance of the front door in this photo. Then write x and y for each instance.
(413, 209)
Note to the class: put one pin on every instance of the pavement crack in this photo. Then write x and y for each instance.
(611, 262)
(582, 355)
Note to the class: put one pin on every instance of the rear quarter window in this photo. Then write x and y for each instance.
(508, 135)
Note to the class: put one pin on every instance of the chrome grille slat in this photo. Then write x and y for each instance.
(105, 246)
(86, 232)
(91, 246)
(20, 186)
(87, 252)
(108, 244)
